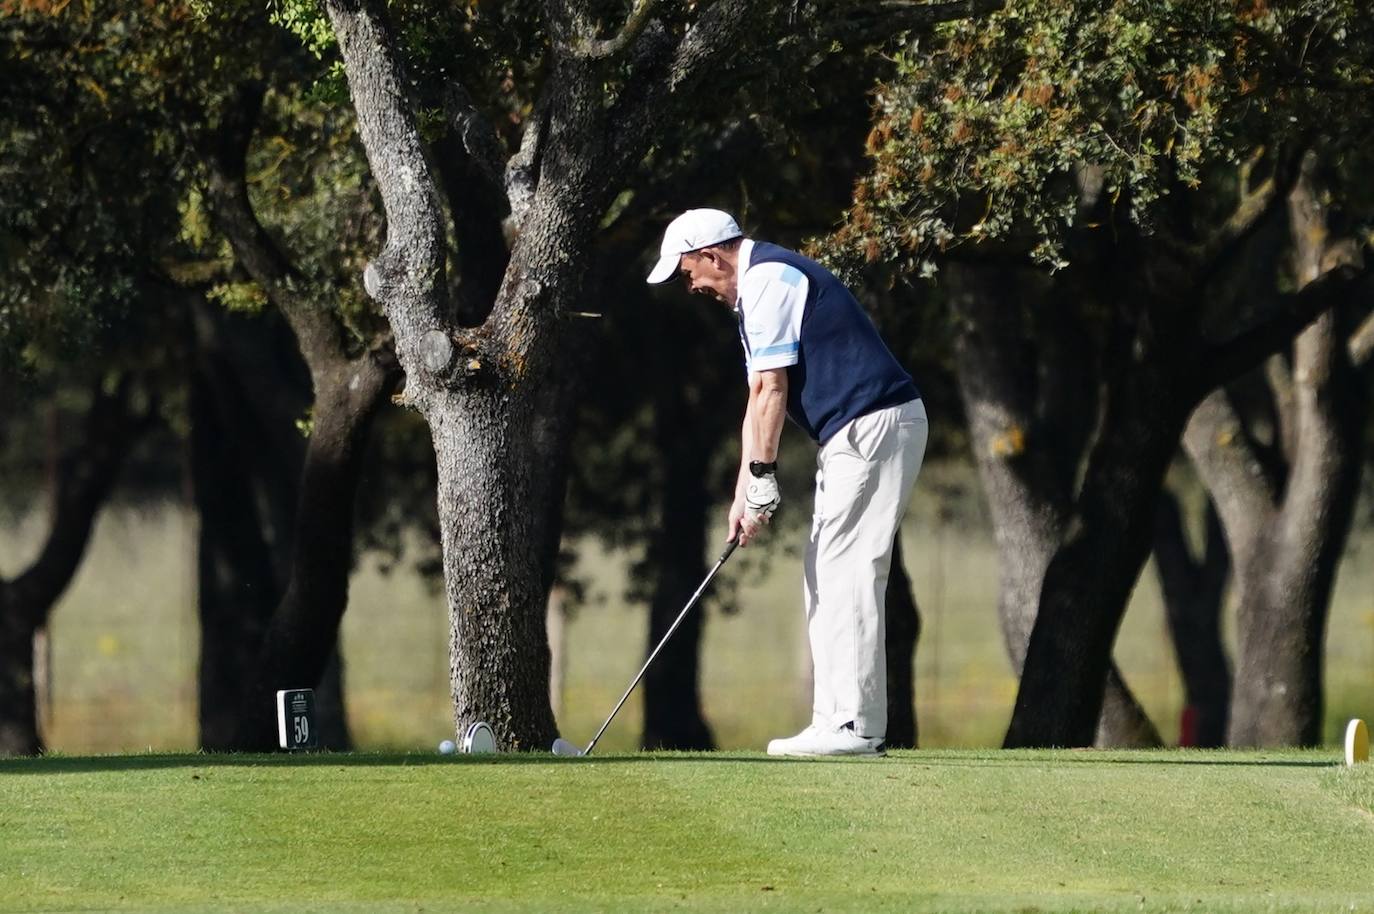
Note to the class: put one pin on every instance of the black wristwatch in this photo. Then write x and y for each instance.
(759, 468)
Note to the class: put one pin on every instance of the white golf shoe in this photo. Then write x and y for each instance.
(827, 742)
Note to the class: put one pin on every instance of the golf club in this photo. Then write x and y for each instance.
(562, 746)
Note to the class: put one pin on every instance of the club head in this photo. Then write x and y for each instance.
(479, 739)
(563, 747)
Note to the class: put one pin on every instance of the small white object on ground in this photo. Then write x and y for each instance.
(479, 739)
(447, 747)
(1356, 742)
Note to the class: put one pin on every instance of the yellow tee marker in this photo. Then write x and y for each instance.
(1356, 742)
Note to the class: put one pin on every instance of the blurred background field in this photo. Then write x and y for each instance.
(122, 646)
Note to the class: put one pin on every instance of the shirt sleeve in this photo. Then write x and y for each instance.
(772, 301)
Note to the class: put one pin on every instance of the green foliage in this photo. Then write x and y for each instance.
(238, 297)
(991, 128)
(307, 21)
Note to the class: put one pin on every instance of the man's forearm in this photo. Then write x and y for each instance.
(746, 450)
(768, 409)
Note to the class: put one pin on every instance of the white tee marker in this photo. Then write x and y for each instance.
(1356, 742)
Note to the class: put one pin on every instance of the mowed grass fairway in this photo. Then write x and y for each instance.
(947, 831)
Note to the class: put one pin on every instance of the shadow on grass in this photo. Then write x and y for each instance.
(62, 764)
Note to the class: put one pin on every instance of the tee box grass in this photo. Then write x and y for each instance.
(927, 831)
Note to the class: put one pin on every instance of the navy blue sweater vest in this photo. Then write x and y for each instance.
(844, 369)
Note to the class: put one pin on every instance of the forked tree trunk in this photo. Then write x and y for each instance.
(1027, 457)
(1089, 580)
(1287, 520)
(298, 648)
(1165, 368)
(1286, 577)
(478, 389)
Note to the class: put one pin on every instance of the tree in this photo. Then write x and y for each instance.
(85, 474)
(1029, 367)
(1287, 508)
(483, 390)
(352, 371)
(1144, 142)
(82, 214)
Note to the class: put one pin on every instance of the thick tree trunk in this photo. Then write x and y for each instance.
(1088, 582)
(18, 698)
(1026, 464)
(903, 632)
(1193, 592)
(237, 581)
(300, 644)
(492, 567)
(1285, 579)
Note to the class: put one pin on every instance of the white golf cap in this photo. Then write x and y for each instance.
(692, 231)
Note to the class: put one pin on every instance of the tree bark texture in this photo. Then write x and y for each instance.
(85, 475)
(1026, 420)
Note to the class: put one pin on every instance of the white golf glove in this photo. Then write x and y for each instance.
(762, 497)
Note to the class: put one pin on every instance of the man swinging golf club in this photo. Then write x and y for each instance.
(811, 353)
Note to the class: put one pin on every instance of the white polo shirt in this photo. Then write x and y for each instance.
(770, 307)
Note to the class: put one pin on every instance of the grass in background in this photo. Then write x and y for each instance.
(124, 642)
(944, 831)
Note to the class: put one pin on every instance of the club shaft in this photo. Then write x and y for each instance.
(672, 628)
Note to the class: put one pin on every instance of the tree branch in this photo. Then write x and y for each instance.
(85, 475)
(522, 171)
(1215, 439)
(408, 276)
(1362, 342)
(478, 136)
(257, 252)
(1243, 352)
(590, 48)
(664, 72)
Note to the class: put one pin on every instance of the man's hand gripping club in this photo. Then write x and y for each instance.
(756, 492)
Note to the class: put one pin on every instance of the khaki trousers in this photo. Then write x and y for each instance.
(864, 477)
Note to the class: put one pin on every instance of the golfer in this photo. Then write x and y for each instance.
(811, 353)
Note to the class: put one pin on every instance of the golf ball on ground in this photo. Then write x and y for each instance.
(447, 747)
